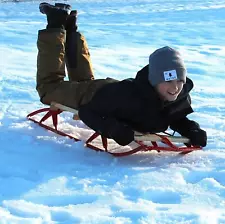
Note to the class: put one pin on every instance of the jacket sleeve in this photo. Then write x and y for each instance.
(183, 126)
(107, 126)
(191, 130)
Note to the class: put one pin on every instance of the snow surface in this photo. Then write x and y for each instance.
(47, 179)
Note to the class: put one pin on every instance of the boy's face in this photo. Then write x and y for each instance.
(170, 90)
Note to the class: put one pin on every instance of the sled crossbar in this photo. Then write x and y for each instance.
(55, 109)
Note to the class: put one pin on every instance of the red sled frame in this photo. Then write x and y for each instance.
(55, 109)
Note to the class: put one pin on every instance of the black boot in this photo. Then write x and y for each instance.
(56, 15)
(63, 6)
(71, 23)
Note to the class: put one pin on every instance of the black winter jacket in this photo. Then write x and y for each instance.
(120, 108)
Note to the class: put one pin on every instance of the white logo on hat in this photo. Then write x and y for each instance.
(170, 75)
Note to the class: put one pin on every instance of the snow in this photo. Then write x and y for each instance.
(48, 179)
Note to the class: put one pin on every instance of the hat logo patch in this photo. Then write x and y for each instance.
(170, 75)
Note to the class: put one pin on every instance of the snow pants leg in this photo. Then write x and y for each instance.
(78, 61)
(53, 52)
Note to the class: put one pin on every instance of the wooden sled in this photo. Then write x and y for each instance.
(169, 142)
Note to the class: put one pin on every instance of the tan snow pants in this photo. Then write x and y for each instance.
(51, 72)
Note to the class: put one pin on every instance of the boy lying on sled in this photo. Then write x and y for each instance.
(157, 98)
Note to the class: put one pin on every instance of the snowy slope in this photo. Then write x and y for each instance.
(46, 179)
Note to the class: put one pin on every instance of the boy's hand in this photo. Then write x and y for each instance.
(197, 137)
(191, 130)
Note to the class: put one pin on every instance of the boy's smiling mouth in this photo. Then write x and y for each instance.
(173, 93)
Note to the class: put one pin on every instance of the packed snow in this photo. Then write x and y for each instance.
(49, 179)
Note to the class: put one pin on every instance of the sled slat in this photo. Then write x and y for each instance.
(55, 105)
(155, 138)
(63, 107)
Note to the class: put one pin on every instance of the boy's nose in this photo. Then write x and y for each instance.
(174, 85)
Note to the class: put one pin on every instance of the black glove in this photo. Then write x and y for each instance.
(197, 137)
(121, 133)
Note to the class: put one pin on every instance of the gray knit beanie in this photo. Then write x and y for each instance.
(166, 64)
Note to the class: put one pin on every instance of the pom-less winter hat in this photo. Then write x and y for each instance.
(166, 64)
